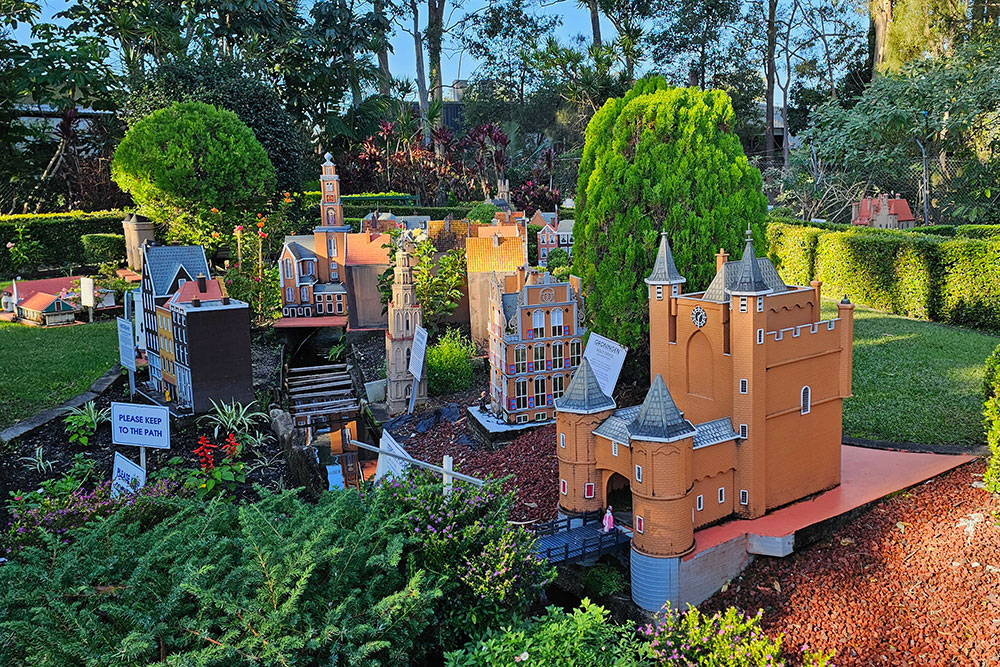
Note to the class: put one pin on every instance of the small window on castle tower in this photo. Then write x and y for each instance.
(588, 490)
(659, 292)
(614, 448)
(743, 304)
(562, 487)
(760, 304)
(760, 336)
(562, 440)
(675, 290)
(638, 524)
(699, 503)
(744, 431)
(744, 497)
(806, 401)
(638, 473)
(744, 386)
(722, 494)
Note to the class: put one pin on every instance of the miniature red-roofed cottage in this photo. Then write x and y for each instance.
(743, 416)
(49, 301)
(883, 212)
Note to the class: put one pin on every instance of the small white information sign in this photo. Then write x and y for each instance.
(390, 465)
(87, 292)
(127, 477)
(418, 352)
(606, 358)
(140, 425)
(126, 344)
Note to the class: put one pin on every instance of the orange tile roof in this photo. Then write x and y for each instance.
(38, 301)
(483, 257)
(506, 231)
(365, 249)
(436, 228)
(189, 291)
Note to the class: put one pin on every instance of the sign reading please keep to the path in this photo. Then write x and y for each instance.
(140, 425)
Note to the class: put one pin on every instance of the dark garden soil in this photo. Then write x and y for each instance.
(265, 465)
(369, 355)
(914, 581)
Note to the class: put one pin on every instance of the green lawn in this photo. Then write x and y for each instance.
(915, 381)
(40, 368)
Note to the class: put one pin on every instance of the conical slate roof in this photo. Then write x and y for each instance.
(584, 395)
(664, 270)
(659, 419)
(748, 278)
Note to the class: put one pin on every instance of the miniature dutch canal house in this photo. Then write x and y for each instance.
(197, 337)
(743, 416)
(535, 340)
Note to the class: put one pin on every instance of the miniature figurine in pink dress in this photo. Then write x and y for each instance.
(608, 521)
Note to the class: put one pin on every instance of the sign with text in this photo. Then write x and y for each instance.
(390, 465)
(140, 425)
(126, 344)
(418, 352)
(87, 292)
(127, 477)
(606, 358)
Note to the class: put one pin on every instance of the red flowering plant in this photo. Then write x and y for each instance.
(218, 468)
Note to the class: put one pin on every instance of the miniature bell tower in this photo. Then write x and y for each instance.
(330, 207)
(404, 316)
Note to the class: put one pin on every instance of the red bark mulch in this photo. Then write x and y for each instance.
(914, 581)
(531, 459)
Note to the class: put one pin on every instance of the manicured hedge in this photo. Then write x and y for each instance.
(978, 231)
(991, 420)
(58, 233)
(103, 248)
(953, 280)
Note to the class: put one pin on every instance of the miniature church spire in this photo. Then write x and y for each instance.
(748, 279)
(584, 395)
(659, 419)
(664, 270)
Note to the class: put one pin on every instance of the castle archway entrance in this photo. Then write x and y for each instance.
(618, 494)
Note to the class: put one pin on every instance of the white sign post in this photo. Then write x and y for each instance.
(87, 296)
(127, 477)
(126, 351)
(140, 426)
(606, 359)
(417, 355)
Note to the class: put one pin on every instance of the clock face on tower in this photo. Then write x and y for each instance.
(699, 316)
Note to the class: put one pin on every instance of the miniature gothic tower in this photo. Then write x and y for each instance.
(405, 316)
(330, 207)
(664, 287)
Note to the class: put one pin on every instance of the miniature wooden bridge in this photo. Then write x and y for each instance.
(321, 394)
(561, 542)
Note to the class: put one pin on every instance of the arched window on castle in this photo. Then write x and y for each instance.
(805, 402)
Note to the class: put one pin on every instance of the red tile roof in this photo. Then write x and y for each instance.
(38, 301)
(306, 322)
(367, 249)
(189, 291)
(869, 207)
(28, 288)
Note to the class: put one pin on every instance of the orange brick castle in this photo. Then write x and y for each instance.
(743, 415)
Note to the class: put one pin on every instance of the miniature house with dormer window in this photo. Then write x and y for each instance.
(743, 414)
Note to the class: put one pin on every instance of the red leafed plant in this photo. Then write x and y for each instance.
(231, 447)
(215, 476)
(205, 454)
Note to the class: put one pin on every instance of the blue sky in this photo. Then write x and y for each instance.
(575, 20)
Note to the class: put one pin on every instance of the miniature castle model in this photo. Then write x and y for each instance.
(535, 341)
(405, 315)
(883, 212)
(333, 273)
(197, 338)
(743, 414)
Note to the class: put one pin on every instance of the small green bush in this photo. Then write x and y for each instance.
(483, 213)
(103, 248)
(732, 639)
(603, 580)
(449, 364)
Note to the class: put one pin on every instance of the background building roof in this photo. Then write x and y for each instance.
(483, 256)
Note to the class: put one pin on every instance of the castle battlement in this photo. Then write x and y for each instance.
(795, 332)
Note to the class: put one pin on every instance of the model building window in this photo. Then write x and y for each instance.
(675, 290)
(539, 357)
(760, 304)
(304, 294)
(562, 440)
(320, 308)
(760, 336)
(743, 304)
(540, 391)
(743, 386)
(638, 473)
(744, 497)
(331, 246)
(563, 487)
(521, 393)
(557, 322)
(659, 292)
(329, 186)
(340, 303)
(520, 359)
(699, 503)
(538, 324)
(614, 448)
(638, 524)
(744, 431)
(541, 416)
(334, 273)
(557, 355)
(521, 419)
(288, 268)
(557, 386)
(574, 353)
(588, 490)
(805, 403)
(722, 494)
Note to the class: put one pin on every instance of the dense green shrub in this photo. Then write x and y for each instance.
(58, 236)
(603, 580)
(970, 286)
(991, 420)
(658, 159)
(483, 213)
(449, 364)
(978, 231)
(793, 251)
(194, 169)
(103, 248)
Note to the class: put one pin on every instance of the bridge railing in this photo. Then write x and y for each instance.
(564, 524)
(590, 546)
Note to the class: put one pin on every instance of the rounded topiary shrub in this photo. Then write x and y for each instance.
(103, 248)
(193, 169)
(449, 364)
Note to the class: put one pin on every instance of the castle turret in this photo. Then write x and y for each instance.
(405, 316)
(578, 412)
(664, 287)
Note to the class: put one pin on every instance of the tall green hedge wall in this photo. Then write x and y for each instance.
(953, 280)
(58, 233)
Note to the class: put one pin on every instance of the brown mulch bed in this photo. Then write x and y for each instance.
(914, 581)
(530, 459)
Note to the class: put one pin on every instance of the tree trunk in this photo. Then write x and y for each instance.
(595, 21)
(769, 73)
(383, 55)
(881, 17)
(418, 50)
(435, 36)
